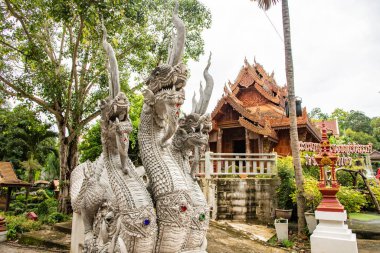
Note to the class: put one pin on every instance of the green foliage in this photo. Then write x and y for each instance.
(344, 178)
(354, 126)
(11, 234)
(359, 122)
(31, 166)
(52, 56)
(316, 113)
(136, 101)
(365, 216)
(359, 137)
(43, 205)
(39, 202)
(311, 171)
(60, 32)
(341, 116)
(311, 192)
(287, 243)
(51, 167)
(375, 124)
(20, 224)
(42, 208)
(24, 136)
(287, 185)
(91, 146)
(375, 188)
(352, 200)
(56, 217)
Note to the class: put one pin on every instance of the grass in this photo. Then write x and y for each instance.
(364, 216)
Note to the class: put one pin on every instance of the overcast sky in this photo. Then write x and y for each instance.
(336, 50)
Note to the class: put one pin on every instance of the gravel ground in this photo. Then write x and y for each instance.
(220, 240)
(11, 247)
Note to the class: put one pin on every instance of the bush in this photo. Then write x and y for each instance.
(17, 205)
(311, 171)
(41, 193)
(352, 200)
(20, 197)
(345, 179)
(43, 208)
(20, 224)
(376, 191)
(287, 243)
(56, 217)
(287, 186)
(11, 234)
(312, 194)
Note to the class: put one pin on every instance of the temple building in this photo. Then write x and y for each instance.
(250, 117)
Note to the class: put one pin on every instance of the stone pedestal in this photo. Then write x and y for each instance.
(281, 226)
(332, 234)
(3, 236)
(77, 234)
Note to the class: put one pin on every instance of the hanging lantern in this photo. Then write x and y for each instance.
(287, 108)
(298, 107)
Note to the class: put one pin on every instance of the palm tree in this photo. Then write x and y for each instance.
(265, 5)
(31, 166)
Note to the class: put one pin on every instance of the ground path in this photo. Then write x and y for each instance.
(220, 240)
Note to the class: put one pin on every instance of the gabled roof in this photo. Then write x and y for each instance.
(255, 75)
(331, 126)
(266, 130)
(375, 155)
(8, 176)
(262, 110)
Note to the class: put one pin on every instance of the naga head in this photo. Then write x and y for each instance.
(194, 128)
(192, 131)
(165, 94)
(116, 124)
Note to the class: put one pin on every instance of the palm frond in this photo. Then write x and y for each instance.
(266, 4)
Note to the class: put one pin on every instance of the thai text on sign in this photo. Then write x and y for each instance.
(338, 149)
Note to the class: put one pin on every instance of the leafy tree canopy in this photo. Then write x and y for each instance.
(51, 54)
(354, 126)
(23, 135)
(316, 113)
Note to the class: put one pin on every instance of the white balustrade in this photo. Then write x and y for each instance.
(214, 164)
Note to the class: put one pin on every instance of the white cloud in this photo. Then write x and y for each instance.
(336, 50)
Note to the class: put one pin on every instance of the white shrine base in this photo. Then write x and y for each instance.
(332, 234)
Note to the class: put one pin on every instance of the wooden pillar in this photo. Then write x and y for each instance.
(219, 144)
(260, 143)
(9, 194)
(247, 142)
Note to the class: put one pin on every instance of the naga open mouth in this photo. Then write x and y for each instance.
(118, 114)
(166, 78)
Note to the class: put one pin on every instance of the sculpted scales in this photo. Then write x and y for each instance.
(118, 212)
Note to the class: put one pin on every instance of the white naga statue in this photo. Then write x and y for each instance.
(118, 213)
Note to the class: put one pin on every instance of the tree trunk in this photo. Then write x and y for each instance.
(293, 118)
(373, 197)
(68, 157)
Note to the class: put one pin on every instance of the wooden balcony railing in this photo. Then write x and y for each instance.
(217, 164)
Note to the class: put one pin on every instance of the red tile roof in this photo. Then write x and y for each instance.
(331, 126)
